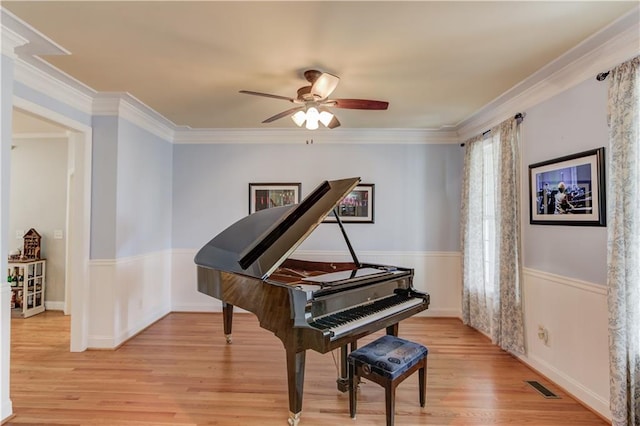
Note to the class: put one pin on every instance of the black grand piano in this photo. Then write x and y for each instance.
(308, 305)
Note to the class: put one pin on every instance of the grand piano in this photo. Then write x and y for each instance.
(320, 306)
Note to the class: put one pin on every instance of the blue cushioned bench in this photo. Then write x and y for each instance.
(387, 361)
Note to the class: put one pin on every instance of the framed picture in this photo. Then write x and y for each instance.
(357, 207)
(265, 195)
(568, 190)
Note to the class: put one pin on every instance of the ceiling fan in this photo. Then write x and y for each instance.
(313, 102)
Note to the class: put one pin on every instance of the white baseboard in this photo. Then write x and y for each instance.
(53, 305)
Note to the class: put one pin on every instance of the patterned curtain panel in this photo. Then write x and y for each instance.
(623, 243)
(508, 315)
(476, 294)
(491, 296)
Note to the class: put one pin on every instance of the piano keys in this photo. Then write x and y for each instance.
(320, 306)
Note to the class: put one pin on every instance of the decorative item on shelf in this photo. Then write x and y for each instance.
(15, 254)
(32, 241)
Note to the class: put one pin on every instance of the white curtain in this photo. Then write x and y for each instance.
(491, 291)
(623, 243)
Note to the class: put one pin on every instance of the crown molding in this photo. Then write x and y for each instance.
(600, 52)
(324, 136)
(42, 77)
(128, 107)
(10, 41)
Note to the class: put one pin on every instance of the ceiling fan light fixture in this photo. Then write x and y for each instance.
(325, 118)
(299, 118)
(324, 85)
(312, 118)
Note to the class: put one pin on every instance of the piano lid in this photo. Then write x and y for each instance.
(257, 244)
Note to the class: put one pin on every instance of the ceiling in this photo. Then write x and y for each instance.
(436, 63)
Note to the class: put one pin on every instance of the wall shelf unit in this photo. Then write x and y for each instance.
(27, 280)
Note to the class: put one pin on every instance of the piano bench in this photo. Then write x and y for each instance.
(387, 361)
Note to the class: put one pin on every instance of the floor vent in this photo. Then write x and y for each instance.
(541, 389)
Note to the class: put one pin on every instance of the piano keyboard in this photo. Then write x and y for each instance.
(342, 322)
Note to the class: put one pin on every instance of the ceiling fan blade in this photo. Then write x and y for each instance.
(357, 104)
(324, 85)
(266, 95)
(283, 114)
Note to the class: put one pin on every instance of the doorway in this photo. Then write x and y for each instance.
(75, 140)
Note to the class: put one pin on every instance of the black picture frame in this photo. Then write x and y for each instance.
(265, 195)
(569, 190)
(357, 207)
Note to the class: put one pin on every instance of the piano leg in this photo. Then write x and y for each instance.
(227, 318)
(392, 330)
(295, 376)
(343, 380)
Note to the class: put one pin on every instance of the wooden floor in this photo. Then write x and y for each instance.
(180, 371)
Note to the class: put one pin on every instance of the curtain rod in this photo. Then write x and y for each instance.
(602, 76)
(519, 117)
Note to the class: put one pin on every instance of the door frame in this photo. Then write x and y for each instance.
(78, 241)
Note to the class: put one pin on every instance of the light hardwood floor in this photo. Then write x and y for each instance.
(180, 371)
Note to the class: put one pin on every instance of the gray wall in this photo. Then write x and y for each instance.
(417, 190)
(571, 122)
(131, 190)
(103, 187)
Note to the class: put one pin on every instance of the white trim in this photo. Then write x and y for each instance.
(335, 254)
(10, 41)
(566, 281)
(51, 115)
(37, 42)
(128, 107)
(41, 79)
(575, 388)
(40, 136)
(54, 305)
(298, 136)
(79, 231)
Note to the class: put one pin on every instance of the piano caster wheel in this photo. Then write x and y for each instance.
(294, 419)
(228, 337)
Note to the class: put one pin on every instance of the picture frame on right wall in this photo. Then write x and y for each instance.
(568, 190)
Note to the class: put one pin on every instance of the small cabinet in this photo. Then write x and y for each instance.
(27, 280)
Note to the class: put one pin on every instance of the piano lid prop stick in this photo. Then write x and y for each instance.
(346, 239)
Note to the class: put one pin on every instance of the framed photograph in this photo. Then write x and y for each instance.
(568, 190)
(357, 207)
(265, 195)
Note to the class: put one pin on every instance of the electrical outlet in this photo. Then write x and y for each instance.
(543, 334)
(19, 234)
(57, 234)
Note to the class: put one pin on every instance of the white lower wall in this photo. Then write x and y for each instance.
(126, 296)
(437, 273)
(577, 355)
(129, 294)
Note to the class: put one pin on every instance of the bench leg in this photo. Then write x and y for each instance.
(390, 402)
(423, 387)
(353, 387)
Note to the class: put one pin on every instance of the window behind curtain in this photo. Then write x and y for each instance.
(489, 214)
